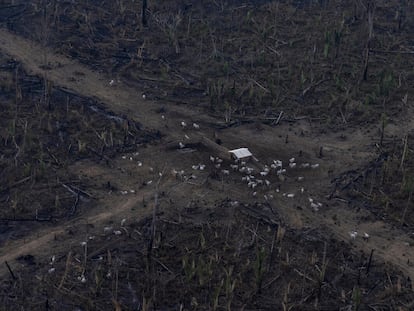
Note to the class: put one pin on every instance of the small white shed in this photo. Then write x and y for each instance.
(241, 154)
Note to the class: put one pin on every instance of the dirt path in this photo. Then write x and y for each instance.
(44, 239)
(69, 74)
(389, 243)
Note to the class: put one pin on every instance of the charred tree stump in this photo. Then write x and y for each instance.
(144, 13)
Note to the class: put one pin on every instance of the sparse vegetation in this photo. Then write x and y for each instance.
(113, 195)
(218, 276)
(387, 182)
(40, 142)
(240, 60)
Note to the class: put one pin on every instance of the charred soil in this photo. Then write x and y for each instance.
(115, 195)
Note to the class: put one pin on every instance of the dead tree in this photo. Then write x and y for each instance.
(370, 8)
(144, 13)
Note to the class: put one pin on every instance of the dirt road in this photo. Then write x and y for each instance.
(390, 244)
(70, 74)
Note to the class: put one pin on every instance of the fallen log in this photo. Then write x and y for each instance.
(219, 150)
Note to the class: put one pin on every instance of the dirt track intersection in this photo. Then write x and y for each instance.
(147, 214)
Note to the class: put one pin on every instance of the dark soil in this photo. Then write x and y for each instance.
(242, 58)
(210, 265)
(100, 211)
(384, 185)
(43, 135)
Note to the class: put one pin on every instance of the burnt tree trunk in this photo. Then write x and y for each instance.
(370, 18)
(144, 13)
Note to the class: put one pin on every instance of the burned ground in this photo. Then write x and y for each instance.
(110, 199)
(43, 136)
(241, 58)
(243, 262)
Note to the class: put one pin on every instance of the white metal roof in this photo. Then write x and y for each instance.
(241, 153)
